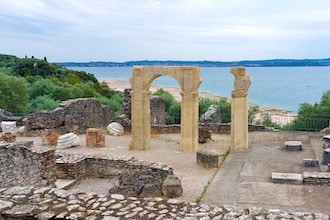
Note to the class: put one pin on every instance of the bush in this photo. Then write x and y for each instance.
(41, 87)
(14, 94)
(44, 102)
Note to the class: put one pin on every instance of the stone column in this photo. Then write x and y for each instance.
(189, 121)
(239, 110)
(141, 117)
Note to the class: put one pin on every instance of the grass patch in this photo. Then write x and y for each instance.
(199, 198)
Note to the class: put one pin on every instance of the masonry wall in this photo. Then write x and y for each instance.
(21, 165)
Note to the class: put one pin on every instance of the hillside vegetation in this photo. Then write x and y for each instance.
(29, 84)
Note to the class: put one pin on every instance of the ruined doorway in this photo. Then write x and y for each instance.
(189, 79)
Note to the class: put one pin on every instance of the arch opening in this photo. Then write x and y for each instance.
(189, 79)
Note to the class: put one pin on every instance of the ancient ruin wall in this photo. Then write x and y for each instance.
(21, 166)
(74, 115)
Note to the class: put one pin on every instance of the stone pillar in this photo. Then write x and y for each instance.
(141, 117)
(95, 137)
(239, 110)
(189, 121)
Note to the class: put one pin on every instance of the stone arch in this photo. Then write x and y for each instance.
(189, 79)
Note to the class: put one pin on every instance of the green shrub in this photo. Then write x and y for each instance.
(14, 94)
(44, 102)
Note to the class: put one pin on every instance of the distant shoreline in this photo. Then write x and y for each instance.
(204, 63)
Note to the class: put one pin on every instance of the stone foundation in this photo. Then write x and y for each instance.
(25, 165)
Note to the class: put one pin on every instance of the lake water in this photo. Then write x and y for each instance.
(272, 87)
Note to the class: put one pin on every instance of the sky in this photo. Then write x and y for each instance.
(126, 30)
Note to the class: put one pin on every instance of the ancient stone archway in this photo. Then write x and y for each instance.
(189, 79)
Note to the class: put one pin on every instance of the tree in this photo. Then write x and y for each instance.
(14, 94)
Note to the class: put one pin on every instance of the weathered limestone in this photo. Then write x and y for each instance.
(239, 110)
(67, 140)
(75, 115)
(115, 129)
(207, 159)
(49, 136)
(203, 134)
(95, 137)
(8, 137)
(157, 111)
(287, 178)
(23, 164)
(172, 187)
(308, 162)
(212, 115)
(8, 126)
(189, 79)
(293, 145)
(326, 141)
(326, 156)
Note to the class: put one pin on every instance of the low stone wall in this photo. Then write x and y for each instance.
(316, 178)
(69, 166)
(49, 203)
(21, 165)
(309, 178)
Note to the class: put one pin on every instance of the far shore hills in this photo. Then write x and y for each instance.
(204, 63)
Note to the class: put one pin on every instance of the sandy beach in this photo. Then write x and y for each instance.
(120, 85)
(278, 116)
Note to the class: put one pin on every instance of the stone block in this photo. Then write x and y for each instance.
(326, 141)
(316, 178)
(49, 137)
(307, 162)
(287, 178)
(67, 140)
(172, 187)
(207, 159)
(326, 156)
(293, 145)
(115, 129)
(8, 126)
(203, 135)
(95, 137)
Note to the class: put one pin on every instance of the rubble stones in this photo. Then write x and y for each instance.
(40, 204)
(212, 115)
(203, 134)
(172, 187)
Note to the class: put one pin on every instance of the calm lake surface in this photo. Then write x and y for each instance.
(272, 87)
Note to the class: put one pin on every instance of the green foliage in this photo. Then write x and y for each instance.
(41, 87)
(167, 97)
(14, 94)
(7, 62)
(313, 117)
(252, 113)
(44, 102)
(172, 107)
(224, 106)
(173, 116)
(52, 84)
(115, 103)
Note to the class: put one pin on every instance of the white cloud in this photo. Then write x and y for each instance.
(165, 29)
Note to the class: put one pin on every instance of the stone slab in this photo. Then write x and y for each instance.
(293, 145)
(307, 162)
(287, 178)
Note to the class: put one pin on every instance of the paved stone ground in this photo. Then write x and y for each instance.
(244, 180)
(245, 177)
